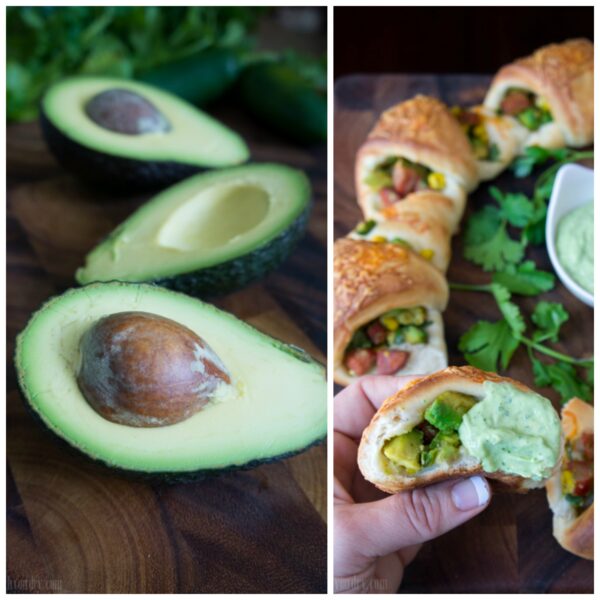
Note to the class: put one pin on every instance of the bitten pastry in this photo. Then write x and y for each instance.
(491, 137)
(571, 490)
(421, 223)
(416, 145)
(549, 96)
(387, 318)
(458, 422)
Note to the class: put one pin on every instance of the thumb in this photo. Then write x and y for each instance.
(419, 515)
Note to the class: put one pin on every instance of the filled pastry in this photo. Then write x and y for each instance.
(415, 146)
(420, 223)
(571, 489)
(491, 138)
(548, 96)
(388, 304)
(458, 422)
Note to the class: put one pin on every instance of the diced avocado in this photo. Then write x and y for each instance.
(401, 242)
(447, 410)
(365, 227)
(443, 448)
(493, 153)
(414, 334)
(360, 339)
(411, 316)
(378, 179)
(395, 338)
(530, 118)
(404, 450)
(480, 149)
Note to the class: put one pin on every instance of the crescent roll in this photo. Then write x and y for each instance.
(459, 422)
(570, 491)
(416, 145)
(491, 137)
(422, 222)
(387, 317)
(549, 96)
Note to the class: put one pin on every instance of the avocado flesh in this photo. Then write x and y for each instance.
(404, 450)
(194, 141)
(277, 405)
(447, 410)
(211, 233)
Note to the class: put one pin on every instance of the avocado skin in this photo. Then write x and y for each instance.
(243, 270)
(164, 477)
(110, 171)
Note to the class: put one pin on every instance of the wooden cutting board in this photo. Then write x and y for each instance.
(509, 547)
(75, 527)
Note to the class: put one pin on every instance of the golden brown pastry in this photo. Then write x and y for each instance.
(420, 222)
(549, 96)
(459, 422)
(416, 145)
(571, 490)
(387, 319)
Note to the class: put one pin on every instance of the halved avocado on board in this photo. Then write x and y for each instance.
(127, 134)
(210, 234)
(274, 404)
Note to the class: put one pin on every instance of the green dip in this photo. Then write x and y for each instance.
(512, 431)
(575, 245)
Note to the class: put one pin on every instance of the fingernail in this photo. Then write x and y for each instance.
(471, 493)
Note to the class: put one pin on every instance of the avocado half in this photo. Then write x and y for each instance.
(210, 234)
(193, 141)
(279, 406)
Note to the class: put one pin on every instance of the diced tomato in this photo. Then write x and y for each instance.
(583, 473)
(360, 360)
(515, 102)
(467, 117)
(377, 333)
(388, 197)
(587, 442)
(390, 361)
(405, 179)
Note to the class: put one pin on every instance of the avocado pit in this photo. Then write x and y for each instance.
(126, 112)
(144, 370)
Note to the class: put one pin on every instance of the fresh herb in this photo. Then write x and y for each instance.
(487, 242)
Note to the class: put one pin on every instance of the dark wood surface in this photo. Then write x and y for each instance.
(509, 547)
(74, 527)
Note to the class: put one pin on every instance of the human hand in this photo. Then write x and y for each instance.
(376, 535)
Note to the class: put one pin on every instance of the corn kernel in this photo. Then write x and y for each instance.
(389, 323)
(436, 181)
(541, 103)
(427, 253)
(480, 132)
(567, 482)
(379, 238)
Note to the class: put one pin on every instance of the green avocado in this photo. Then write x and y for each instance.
(210, 234)
(121, 133)
(276, 404)
(447, 410)
(442, 449)
(404, 450)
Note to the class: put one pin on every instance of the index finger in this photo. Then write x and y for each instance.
(355, 406)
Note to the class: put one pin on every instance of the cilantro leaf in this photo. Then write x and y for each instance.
(492, 253)
(517, 209)
(541, 378)
(482, 225)
(534, 156)
(525, 279)
(509, 309)
(548, 316)
(564, 379)
(486, 344)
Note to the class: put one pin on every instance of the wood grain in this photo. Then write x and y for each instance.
(75, 527)
(508, 548)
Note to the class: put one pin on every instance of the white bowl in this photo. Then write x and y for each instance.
(573, 187)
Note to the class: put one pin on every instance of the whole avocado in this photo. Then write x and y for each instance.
(280, 97)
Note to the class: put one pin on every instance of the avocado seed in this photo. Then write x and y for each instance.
(126, 112)
(144, 370)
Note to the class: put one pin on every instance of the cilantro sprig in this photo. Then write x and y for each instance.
(488, 243)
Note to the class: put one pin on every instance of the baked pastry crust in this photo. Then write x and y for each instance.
(574, 533)
(562, 74)
(370, 278)
(404, 410)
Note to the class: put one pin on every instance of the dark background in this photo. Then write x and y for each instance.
(448, 39)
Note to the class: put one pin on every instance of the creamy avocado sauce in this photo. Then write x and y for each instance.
(575, 245)
(512, 431)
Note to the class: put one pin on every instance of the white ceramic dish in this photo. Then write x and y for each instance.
(573, 187)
